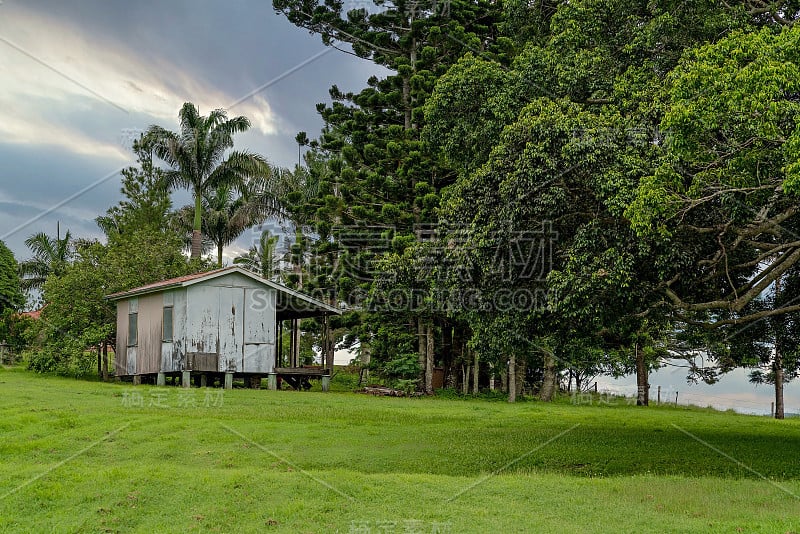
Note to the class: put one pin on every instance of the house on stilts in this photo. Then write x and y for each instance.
(216, 326)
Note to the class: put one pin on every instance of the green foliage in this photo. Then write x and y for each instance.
(11, 297)
(394, 355)
(262, 258)
(502, 121)
(16, 330)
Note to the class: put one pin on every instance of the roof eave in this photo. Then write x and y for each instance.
(135, 292)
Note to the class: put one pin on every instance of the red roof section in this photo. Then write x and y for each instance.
(165, 283)
(35, 314)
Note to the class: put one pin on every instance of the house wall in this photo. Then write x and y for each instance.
(231, 318)
(121, 349)
(148, 351)
(226, 324)
(173, 353)
(259, 330)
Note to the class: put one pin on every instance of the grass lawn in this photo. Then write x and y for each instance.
(78, 456)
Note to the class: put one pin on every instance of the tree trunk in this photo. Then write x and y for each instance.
(549, 378)
(422, 344)
(295, 342)
(475, 373)
(429, 361)
(105, 361)
(219, 255)
(519, 379)
(777, 363)
(328, 353)
(779, 409)
(642, 384)
(512, 378)
(100, 360)
(197, 236)
(465, 372)
(366, 356)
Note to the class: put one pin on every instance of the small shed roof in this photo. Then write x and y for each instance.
(291, 304)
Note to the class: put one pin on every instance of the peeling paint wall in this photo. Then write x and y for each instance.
(121, 352)
(259, 330)
(148, 353)
(225, 324)
(130, 361)
(173, 351)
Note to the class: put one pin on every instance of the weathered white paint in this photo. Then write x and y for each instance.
(121, 348)
(131, 361)
(148, 346)
(259, 330)
(259, 358)
(202, 321)
(227, 321)
(231, 319)
(259, 316)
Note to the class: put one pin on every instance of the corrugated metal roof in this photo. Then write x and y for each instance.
(163, 284)
(196, 277)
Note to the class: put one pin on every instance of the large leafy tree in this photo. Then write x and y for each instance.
(563, 138)
(727, 191)
(11, 297)
(201, 158)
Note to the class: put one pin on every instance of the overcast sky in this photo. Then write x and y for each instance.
(78, 79)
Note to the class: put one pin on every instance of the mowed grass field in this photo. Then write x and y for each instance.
(78, 456)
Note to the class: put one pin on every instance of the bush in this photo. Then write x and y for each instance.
(17, 331)
(69, 358)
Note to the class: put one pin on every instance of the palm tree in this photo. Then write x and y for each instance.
(262, 258)
(50, 258)
(225, 216)
(201, 158)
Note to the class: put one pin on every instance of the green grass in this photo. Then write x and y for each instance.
(254, 461)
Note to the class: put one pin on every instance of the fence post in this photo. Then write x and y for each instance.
(658, 402)
(595, 387)
(772, 409)
(676, 398)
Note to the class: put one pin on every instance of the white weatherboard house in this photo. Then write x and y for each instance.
(219, 324)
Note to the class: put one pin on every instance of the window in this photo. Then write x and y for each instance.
(133, 325)
(167, 324)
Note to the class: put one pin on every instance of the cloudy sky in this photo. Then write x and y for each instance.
(78, 79)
